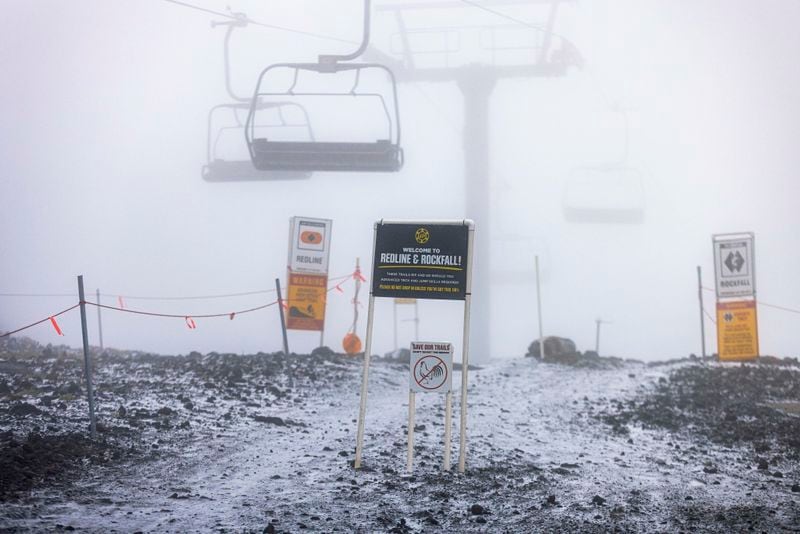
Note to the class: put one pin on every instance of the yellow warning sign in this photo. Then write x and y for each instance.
(737, 330)
(306, 301)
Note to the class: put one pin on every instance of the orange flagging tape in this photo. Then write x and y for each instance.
(358, 276)
(55, 326)
(50, 318)
(189, 319)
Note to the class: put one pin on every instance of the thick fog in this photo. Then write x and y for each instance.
(693, 105)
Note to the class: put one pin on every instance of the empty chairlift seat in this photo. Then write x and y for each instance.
(381, 154)
(227, 156)
(605, 194)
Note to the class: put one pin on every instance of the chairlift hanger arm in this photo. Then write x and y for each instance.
(381, 155)
(240, 21)
(331, 59)
(236, 19)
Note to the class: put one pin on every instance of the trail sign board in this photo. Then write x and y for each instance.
(420, 260)
(431, 367)
(306, 301)
(737, 330)
(309, 246)
(734, 265)
(423, 260)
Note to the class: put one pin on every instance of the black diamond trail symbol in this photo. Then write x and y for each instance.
(734, 262)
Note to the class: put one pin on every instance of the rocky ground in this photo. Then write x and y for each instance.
(265, 443)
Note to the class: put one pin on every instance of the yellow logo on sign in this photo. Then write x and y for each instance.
(422, 235)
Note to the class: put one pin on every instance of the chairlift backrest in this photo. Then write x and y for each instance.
(381, 154)
(226, 157)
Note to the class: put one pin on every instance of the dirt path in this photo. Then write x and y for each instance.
(542, 457)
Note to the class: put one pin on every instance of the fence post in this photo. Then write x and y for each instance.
(597, 336)
(539, 310)
(702, 317)
(283, 321)
(87, 364)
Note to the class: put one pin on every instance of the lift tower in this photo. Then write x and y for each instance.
(544, 54)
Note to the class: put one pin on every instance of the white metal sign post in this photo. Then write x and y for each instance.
(734, 265)
(431, 371)
(423, 260)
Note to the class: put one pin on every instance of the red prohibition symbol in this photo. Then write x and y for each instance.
(430, 372)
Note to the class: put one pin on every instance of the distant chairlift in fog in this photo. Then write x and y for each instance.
(227, 158)
(604, 194)
(611, 193)
(227, 154)
(375, 147)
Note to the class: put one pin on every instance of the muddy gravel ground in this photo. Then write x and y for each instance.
(265, 442)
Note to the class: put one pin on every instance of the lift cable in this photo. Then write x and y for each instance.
(518, 21)
(245, 18)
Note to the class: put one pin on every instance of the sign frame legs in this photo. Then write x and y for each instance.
(448, 423)
(412, 396)
(464, 358)
(462, 451)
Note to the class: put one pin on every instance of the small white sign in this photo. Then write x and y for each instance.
(734, 266)
(431, 367)
(309, 245)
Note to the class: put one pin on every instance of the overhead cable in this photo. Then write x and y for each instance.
(248, 20)
(516, 20)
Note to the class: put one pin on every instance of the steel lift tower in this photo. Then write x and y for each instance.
(544, 55)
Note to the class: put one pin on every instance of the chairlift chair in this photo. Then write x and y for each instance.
(226, 159)
(604, 194)
(610, 193)
(383, 154)
(226, 123)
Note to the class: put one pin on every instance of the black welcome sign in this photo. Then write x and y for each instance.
(420, 260)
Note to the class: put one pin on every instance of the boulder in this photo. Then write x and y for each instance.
(554, 347)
